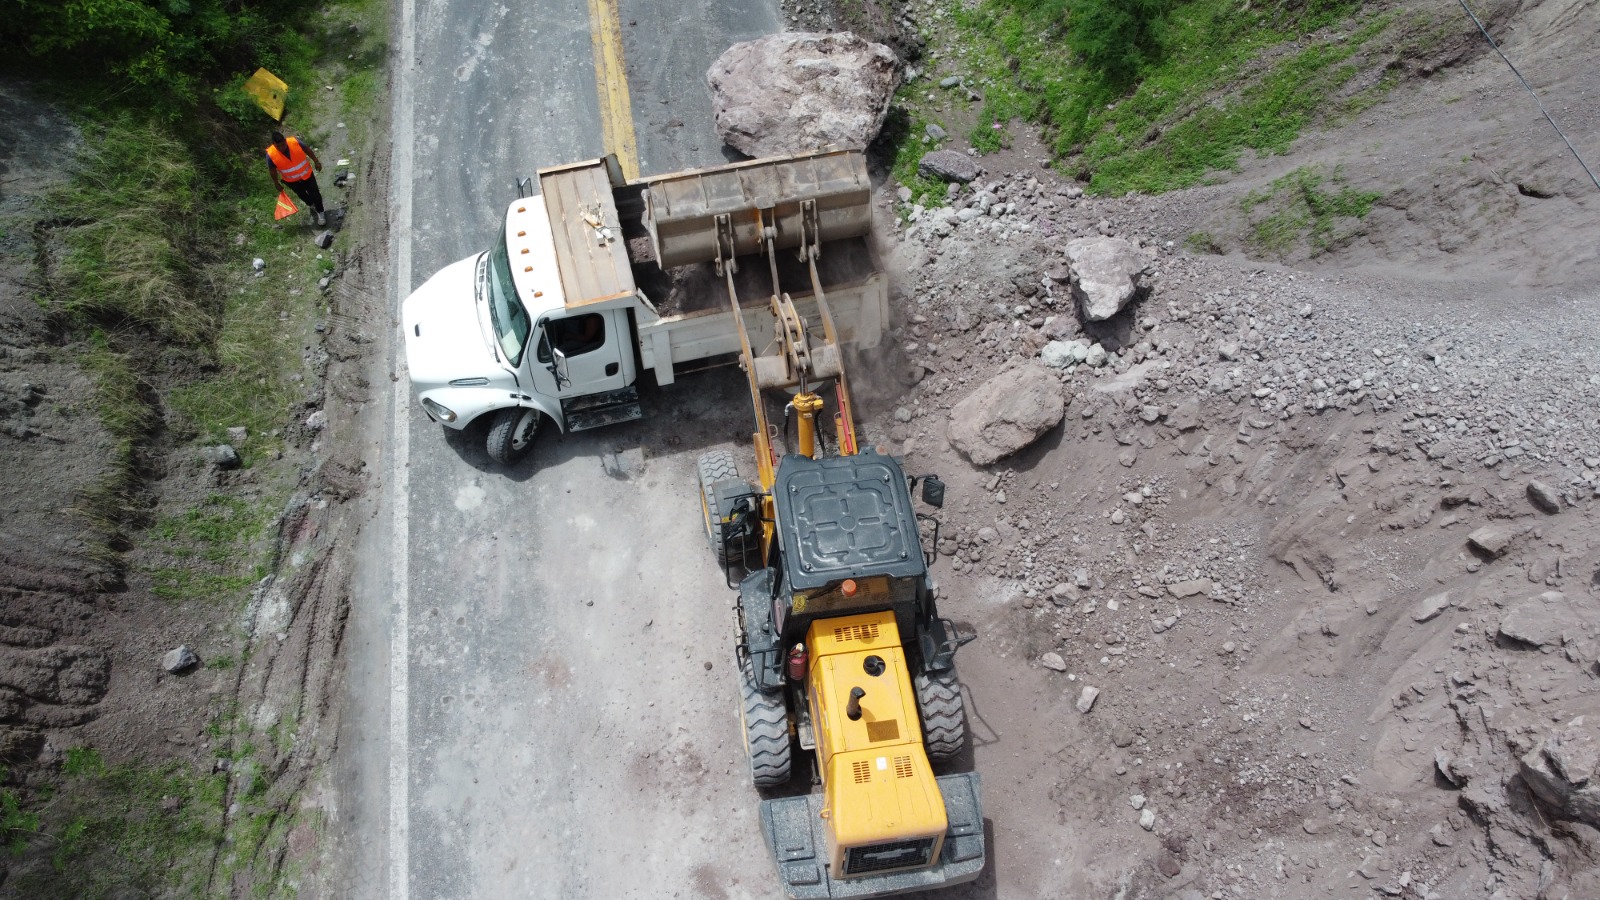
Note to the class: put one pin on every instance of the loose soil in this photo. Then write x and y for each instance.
(1250, 531)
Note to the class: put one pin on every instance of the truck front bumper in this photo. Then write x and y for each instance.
(793, 828)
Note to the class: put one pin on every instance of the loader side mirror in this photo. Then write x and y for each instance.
(933, 492)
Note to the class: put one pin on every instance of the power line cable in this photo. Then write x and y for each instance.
(1531, 93)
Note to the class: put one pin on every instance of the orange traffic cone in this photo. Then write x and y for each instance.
(286, 207)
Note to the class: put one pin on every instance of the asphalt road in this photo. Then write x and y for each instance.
(541, 701)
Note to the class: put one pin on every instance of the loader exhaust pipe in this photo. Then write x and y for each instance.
(853, 708)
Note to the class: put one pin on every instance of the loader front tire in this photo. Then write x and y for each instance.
(715, 466)
(511, 434)
(766, 731)
(944, 715)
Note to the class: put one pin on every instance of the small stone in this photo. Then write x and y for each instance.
(1137, 801)
(1491, 539)
(1184, 589)
(178, 659)
(237, 434)
(1122, 735)
(223, 456)
(1544, 497)
(1117, 518)
(1431, 607)
(935, 133)
(323, 240)
(1151, 414)
(950, 82)
(1445, 763)
(1053, 662)
(1442, 836)
(1087, 697)
(1228, 647)
(259, 264)
(317, 420)
(1147, 819)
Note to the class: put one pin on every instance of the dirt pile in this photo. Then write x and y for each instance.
(1290, 531)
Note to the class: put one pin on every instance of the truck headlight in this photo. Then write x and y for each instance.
(438, 411)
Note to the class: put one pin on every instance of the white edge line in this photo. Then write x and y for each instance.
(399, 868)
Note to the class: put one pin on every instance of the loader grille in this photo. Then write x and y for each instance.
(861, 770)
(902, 767)
(894, 855)
(867, 632)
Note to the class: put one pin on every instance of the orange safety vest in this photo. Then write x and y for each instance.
(294, 167)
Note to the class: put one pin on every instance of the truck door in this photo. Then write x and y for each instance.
(582, 353)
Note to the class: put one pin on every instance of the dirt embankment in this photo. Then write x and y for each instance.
(1324, 539)
(212, 762)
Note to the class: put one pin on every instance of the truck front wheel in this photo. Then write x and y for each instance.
(511, 435)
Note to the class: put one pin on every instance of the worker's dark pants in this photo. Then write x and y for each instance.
(308, 192)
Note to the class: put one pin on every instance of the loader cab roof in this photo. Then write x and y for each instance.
(845, 517)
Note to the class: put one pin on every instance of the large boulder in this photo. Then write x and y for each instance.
(1561, 771)
(1006, 413)
(791, 93)
(1106, 273)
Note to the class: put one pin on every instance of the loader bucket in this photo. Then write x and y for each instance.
(681, 209)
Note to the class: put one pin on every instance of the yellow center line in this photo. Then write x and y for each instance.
(611, 82)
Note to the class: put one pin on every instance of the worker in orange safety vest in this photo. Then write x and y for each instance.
(290, 161)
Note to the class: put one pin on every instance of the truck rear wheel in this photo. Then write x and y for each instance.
(944, 715)
(715, 466)
(511, 435)
(766, 731)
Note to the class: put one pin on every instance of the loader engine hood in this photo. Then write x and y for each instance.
(885, 810)
(447, 338)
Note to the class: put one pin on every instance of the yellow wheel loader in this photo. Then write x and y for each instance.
(841, 649)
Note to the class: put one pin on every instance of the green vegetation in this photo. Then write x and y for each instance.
(17, 825)
(1152, 95)
(145, 272)
(1298, 208)
(148, 829)
(210, 548)
(165, 52)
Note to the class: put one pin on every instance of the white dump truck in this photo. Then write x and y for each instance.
(595, 279)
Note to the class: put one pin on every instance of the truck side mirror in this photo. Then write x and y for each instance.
(560, 365)
(933, 492)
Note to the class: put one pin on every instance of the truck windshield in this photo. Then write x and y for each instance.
(511, 324)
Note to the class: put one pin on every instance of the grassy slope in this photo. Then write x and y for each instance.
(151, 279)
(1231, 79)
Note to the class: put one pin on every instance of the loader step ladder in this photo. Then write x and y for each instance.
(599, 410)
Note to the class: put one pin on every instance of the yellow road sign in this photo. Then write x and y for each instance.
(269, 92)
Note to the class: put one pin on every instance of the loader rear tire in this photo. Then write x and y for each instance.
(715, 466)
(766, 731)
(944, 715)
